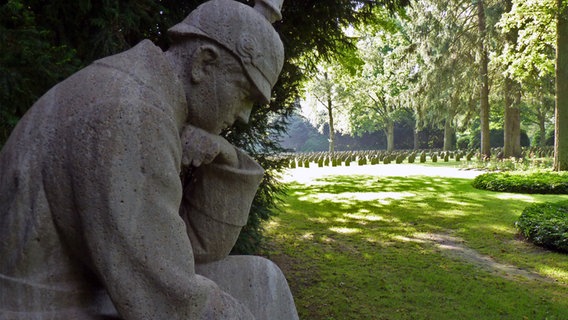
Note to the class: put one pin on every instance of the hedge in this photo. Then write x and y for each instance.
(546, 225)
(546, 182)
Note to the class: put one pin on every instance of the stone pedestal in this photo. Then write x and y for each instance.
(256, 282)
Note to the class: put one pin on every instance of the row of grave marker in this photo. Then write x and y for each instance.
(364, 157)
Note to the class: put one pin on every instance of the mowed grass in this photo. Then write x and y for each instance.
(358, 247)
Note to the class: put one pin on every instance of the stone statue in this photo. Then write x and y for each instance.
(118, 197)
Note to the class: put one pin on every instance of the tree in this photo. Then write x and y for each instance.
(561, 113)
(538, 107)
(512, 93)
(541, 52)
(529, 60)
(484, 81)
(376, 91)
(25, 74)
(326, 99)
(444, 40)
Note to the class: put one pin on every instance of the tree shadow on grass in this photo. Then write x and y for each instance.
(352, 243)
(427, 202)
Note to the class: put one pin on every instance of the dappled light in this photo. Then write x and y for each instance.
(408, 239)
(349, 197)
(515, 196)
(345, 230)
(431, 243)
(501, 229)
(553, 272)
(362, 216)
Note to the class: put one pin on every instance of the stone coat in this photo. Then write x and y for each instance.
(90, 196)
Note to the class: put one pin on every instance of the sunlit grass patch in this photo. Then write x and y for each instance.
(362, 247)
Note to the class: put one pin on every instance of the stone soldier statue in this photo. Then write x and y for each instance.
(118, 197)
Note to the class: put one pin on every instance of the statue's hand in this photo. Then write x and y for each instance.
(201, 147)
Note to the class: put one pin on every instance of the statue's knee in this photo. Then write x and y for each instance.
(256, 282)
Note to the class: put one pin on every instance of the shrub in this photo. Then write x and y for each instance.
(546, 225)
(545, 182)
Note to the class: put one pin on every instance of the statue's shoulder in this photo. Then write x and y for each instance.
(145, 55)
(142, 66)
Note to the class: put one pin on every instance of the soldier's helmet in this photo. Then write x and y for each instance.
(245, 31)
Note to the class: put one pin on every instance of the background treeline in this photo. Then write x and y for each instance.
(302, 136)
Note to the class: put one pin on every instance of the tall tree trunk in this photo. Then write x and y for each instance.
(512, 92)
(512, 127)
(329, 106)
(542, 129)
(448, 134)
(449, 130)
(484, 83)
(416, 138)
(331, 127)
(390, 135)
(561, 112)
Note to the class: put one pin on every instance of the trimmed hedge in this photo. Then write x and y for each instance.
(546, 225)
(546, 182)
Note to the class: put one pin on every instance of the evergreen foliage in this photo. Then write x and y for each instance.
(30, 62)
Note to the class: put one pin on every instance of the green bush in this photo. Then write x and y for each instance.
(546, 182)
(546, 225)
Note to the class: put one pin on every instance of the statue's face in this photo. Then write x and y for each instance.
(223, 95)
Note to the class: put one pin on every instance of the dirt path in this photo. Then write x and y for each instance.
(454, 247)
(449, 245)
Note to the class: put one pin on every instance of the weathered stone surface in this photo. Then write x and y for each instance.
(275, 302)
(116, 181)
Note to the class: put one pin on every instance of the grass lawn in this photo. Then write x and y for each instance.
(416, 247)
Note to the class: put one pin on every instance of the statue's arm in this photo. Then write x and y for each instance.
(128, 205)
(216, 204)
